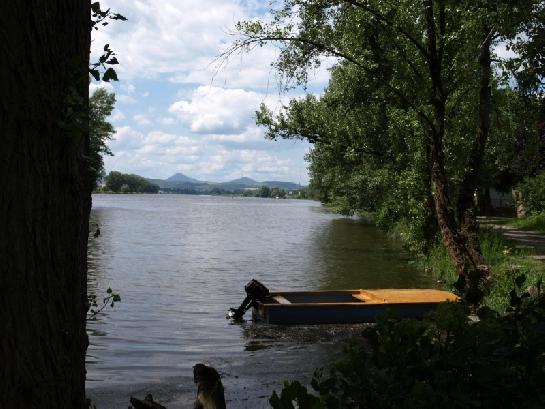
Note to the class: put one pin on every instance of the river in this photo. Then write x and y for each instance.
(180, 261)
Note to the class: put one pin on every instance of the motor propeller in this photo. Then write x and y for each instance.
(255, 291)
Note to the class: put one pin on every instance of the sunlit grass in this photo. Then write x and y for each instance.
(535, 222)
(506, 260)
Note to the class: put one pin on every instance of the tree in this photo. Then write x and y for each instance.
(430, 63)
(45, 203)
(101, 105)
(124, 183)
(264, 191)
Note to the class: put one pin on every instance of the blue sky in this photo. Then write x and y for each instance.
(176, 112)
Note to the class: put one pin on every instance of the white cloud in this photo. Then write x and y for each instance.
(166, 49)
(252, 134)
(184, 39)
(153, 154)
(167, 36)
(141, 119)
(218, 110)
(167, 120)
(93, 86)
(117, 116)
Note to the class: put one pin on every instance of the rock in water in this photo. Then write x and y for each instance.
(210, 393)
(147, 403)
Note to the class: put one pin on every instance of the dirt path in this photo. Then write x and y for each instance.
(531, 239)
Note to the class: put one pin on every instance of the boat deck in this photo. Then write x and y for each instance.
(378, 296)
(347, 306)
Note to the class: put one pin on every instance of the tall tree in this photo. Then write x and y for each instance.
(45, 202)
(425, 58)
(101, 105)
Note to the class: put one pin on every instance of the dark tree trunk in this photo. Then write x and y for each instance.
(466, 206)
(454, 242)
(485, 203)
(44, 203)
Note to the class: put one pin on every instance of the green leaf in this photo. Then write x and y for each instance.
(109, 290)
(96, 75)
(106, 47)
(118, 16)
(112, 61)
(109, 75)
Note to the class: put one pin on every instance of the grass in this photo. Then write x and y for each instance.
(535, 222)
(506, 260)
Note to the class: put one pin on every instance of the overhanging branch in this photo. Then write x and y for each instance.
(257, 40)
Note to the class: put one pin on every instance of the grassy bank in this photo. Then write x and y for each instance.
(534, 223)
(507, 261)
(445, 360)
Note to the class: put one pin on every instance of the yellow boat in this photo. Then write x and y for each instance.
(337, 306)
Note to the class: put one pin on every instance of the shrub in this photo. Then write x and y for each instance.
(533, 194)
(444, 361)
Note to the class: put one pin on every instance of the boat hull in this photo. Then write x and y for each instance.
(350, 306)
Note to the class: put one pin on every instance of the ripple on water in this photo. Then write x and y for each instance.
(179, 262)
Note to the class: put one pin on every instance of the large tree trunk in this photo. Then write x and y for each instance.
(466, 206)
(45, 202)
(452, 239)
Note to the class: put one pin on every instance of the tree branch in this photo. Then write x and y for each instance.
(365, 6)
(334, 52)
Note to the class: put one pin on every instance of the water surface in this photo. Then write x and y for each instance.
(180, 261)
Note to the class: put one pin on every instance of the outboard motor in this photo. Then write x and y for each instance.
(255, 291)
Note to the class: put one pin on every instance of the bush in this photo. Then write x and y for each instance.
(443, 361)
(506, 262)
(533, 222)
(533, 194)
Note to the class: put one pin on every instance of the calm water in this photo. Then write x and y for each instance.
(179, 262)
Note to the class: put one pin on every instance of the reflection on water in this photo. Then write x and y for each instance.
(353, 254)
(179, 262)
(265, 336)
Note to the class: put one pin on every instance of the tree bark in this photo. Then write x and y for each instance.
(44, 202)
(466, 207)
(452, 239)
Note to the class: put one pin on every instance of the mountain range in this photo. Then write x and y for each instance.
(184, 184)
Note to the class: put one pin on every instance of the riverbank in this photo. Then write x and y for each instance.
(249, 380)
(509, 251)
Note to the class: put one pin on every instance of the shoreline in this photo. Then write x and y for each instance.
(249, 379)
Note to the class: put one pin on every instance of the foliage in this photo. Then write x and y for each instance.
(265, 191)
(124, 183)
(528, 66)
(506, 262)
(443, 361)
(101, 69)
(516, 149)
(415, 96)
(533, 194)
(101, 105)
(535, 222)
(95, 308)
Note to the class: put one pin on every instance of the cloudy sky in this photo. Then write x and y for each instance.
(176, 112)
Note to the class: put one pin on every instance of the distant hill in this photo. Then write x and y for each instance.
(243, 181)
(180, 177)
(181, 183)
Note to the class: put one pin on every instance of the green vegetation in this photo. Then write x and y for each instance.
(101, 105)
(444, 361)
(506, 262)
(413, 155)
(265, 191)
(118, 182)
(532, 190)
(535, 222)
